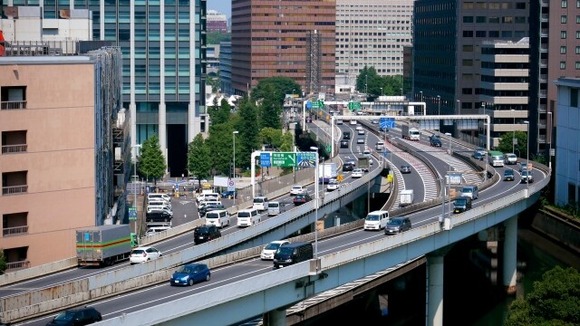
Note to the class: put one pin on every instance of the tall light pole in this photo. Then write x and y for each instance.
(234, 167)
(528, 153)
(135, 183)
(438, 104)
(316, 204)
(421, 96)
(549, 134)
(514, 132)
(381, 91)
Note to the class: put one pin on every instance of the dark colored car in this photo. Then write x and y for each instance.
(398, 225)
(205, 233)
(229, 194)
(158, 216)
(435, 141)
(190, 274)
(292, 253)
(508, 175)
(301, 199)
(347, 166)
(209, 207)
(461, 205)
(405, 169)
(77, 316)
(344, 144)
(346, 135)
(478, 156)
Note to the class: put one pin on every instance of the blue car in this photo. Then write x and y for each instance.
(229, 194)
(190, 274)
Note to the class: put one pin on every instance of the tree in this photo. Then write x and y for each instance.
(220, 142)
(220, 113)
(282, 85)
(3, 264)
(553, 301)
(249, 132)
(270, 108)
(198, 158)
(152, 163)
(505, 143)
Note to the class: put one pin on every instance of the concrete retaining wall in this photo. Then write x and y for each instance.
(561, 230)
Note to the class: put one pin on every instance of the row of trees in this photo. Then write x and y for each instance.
(257, 120)
(374, 85)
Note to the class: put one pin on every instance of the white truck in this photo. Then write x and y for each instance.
(327, 171)
(407, 197)
(410, 133)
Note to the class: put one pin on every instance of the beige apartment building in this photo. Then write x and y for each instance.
(50, 156)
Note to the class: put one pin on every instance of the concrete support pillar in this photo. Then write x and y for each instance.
(510, 254)
(434, 290)
(275, 318)
(163, 129)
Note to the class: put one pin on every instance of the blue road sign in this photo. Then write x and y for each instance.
(306, 158)
(386, 123)
(265, 160)
(308, 105)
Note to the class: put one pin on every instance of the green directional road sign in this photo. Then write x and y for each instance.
(284, 159)
(354, 106)
(319, 104)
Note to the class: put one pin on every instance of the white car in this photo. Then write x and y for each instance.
(332, 185)
(357, 173)
(297, 190)
(353, 122)
(270, 249)
(144, 254)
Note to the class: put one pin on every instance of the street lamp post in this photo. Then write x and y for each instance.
(514, 132)
(421, 96)
(528, 154)
(234, 167)
(438, 104)
(381, 91)
(135, 188)
(549, 134)
(316, 204)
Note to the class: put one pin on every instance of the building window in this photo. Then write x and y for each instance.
(14, 182)
(563, 49)
(468, 19)
(563, 19)
(493, 33)
(480, 34)
(470, 33)
(564, 4)
(13, 97)
(577, 3)
(574, 101)
(577, 50)
(577, 35)
(14, 224)
(14, 142)
(480, 19)
(562, 65)
(577, 65)
(563, 34)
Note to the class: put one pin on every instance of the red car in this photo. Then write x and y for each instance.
(301, 199)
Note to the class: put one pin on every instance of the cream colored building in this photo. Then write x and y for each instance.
(50, 160)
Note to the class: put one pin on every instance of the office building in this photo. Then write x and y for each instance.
(62, 128)
(447, 51)
(291, 39)
(371, 33)
(217, 22)
(505, 85)
(567, 172)
(555, 46)
(163, 46)
(225, 68)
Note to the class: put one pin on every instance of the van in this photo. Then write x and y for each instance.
(158, 216)
(219, 218)
(376, 220)
(206, 196)
(157, 195)
(461, 205)
(379, 146)
(248, 217)
(274, 208)
(156, 229)
(260, 203)
(292, 253)
(470, 191)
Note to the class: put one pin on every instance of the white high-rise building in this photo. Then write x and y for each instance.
(371, 33)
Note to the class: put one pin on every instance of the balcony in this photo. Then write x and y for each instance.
(10, 149)
(12, 105)
(16, 265)
(13, 190)
(14, 231)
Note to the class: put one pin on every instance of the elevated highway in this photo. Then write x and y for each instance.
(263, 232)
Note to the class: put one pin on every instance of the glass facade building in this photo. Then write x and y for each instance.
(163, 46)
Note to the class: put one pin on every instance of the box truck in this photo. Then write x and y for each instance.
(327, 171)
(103, 245)
(406, 197)
(410, 133)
